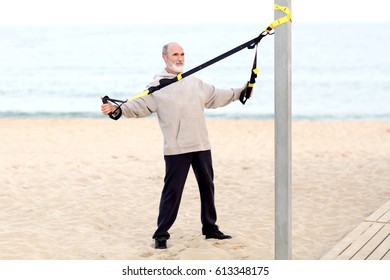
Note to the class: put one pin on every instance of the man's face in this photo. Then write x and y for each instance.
(174, 59)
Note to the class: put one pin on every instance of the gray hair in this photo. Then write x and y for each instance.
(165, 47)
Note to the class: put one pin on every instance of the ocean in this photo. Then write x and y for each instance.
(340, 71)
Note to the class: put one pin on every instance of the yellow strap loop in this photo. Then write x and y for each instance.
(256, 70)
(179, 77)
(146, 92)
(279, 21)
(251, 85)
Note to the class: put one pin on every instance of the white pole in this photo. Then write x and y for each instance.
(283, 136)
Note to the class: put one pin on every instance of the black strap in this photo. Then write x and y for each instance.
(250, 45)
(247, 91)
(245, 94)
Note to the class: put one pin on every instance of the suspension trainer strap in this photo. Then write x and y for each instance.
(165, 82)
(245, 94)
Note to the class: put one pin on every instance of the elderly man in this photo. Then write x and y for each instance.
(180, 110)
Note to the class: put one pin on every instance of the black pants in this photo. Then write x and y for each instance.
(176, 171)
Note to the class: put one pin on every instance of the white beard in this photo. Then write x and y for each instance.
(177, 68)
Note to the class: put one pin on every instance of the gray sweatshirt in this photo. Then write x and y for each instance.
(180, 110)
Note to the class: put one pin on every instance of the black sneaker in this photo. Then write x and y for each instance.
(217, 234)
(160, 243)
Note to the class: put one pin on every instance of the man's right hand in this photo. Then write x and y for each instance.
(107, 108)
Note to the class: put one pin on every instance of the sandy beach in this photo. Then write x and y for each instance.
(89, 188)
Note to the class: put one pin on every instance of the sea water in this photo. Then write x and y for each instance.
(339, 71)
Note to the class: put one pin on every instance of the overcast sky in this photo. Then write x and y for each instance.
(198, 11)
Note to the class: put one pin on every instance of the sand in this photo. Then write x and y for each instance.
(75, 189)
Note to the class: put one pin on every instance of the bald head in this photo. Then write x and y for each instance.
(166, 46)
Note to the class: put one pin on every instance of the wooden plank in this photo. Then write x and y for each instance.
(373, 245)
(360, 242)
(379, 213)
(385, 218)
(346, 241)
(369, 240)
(383, 248)
(387, 256)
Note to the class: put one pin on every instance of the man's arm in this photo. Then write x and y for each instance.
(221, 97)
